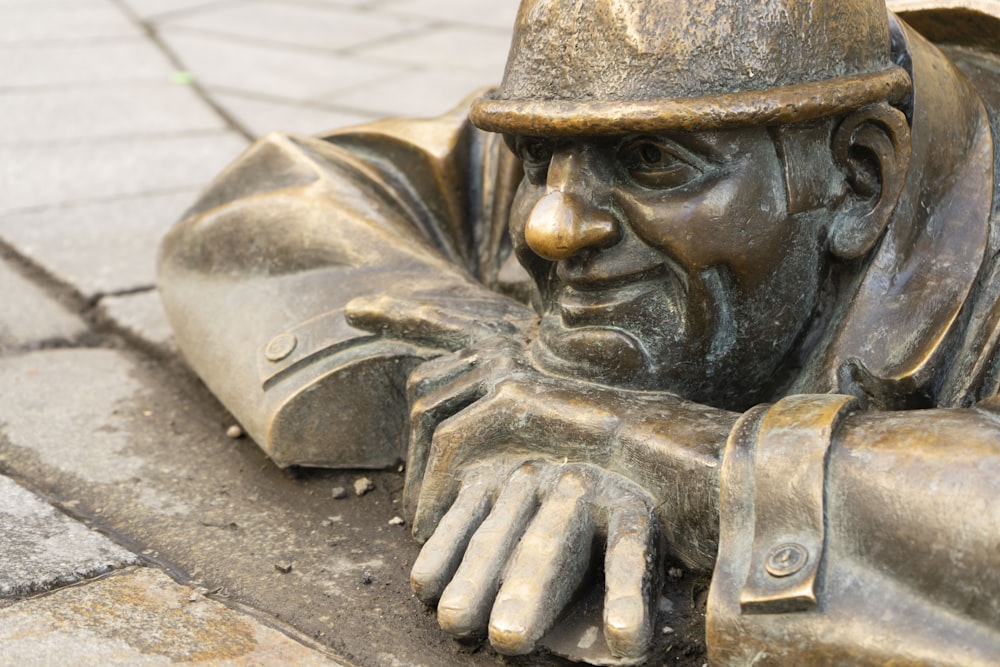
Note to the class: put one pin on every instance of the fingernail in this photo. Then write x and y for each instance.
(625, 627)
(508, 630)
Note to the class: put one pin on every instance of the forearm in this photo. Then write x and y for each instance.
(915, 494)
(255, 280)
(865, 537)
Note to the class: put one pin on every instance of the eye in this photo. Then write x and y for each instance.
(535, 153)
(657, 163)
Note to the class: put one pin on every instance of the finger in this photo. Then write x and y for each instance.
(503, 422)
(478, 428)
(407, 319)
(436, 322)
(629, 576)
(434, 373)
(548, 566)
(464, 608)
(441, 554)
(440, 388)
(501, 356)
(426, 413)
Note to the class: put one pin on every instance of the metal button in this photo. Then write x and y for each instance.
(280, 347)
(786, 559)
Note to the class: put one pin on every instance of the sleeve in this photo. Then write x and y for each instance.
(850, 538)
(255, 278)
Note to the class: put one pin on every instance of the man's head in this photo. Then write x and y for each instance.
(692, 171)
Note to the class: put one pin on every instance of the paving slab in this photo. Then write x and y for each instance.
(147, 9)
(46, 176)
(234, 66)
(447, 48)
(142, 452)
(81, 20)
(414, 94)
(42, 548)
(142, 618)
(29, 317)
(33, 3)
(322, 26)
(498, 14)
(358, 4)
(103, 111)
(81, 63)
(260, 116)
(141, 317)
(98, 248)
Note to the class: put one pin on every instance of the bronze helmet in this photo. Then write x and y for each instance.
(616, 66)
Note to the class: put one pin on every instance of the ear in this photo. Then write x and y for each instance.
(872, 149)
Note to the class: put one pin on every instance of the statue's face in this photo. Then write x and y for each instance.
(668, 262)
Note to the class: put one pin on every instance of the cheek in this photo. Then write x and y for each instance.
(524, 202)
(781, 303)
(737, 219)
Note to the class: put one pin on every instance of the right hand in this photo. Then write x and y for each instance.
(502, 453)
(513, 548)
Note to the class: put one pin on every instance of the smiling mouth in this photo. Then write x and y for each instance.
(613, 302)
(593, 282)
(593, 304)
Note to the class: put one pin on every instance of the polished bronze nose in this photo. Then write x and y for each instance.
(561, 225)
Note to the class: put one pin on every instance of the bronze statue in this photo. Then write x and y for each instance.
(752, 325)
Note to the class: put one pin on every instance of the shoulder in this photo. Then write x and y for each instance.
(968, 23)
(968, 33)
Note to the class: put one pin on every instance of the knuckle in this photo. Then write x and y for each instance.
(526, 471)
(363, 304)
(422, 378)
(510, 390)
(418, 411)
(448, 430)
(575, 474)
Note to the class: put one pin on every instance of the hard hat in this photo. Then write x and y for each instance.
(617, 66)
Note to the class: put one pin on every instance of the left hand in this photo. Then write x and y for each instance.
(449, 315)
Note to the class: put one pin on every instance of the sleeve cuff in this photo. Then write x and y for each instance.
(772, 534)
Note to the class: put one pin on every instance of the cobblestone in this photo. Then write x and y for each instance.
(42, 549)
(101, 247)
(142, 618)
(29, 316)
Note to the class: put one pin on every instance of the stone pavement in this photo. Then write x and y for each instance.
(132, 529)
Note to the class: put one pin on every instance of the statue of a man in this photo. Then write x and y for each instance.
(760, 245)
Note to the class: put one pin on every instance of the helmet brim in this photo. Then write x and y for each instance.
(777, 106)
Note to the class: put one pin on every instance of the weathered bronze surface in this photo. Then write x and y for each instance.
(714, 282)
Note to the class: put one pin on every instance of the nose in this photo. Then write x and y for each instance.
(561, 225)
